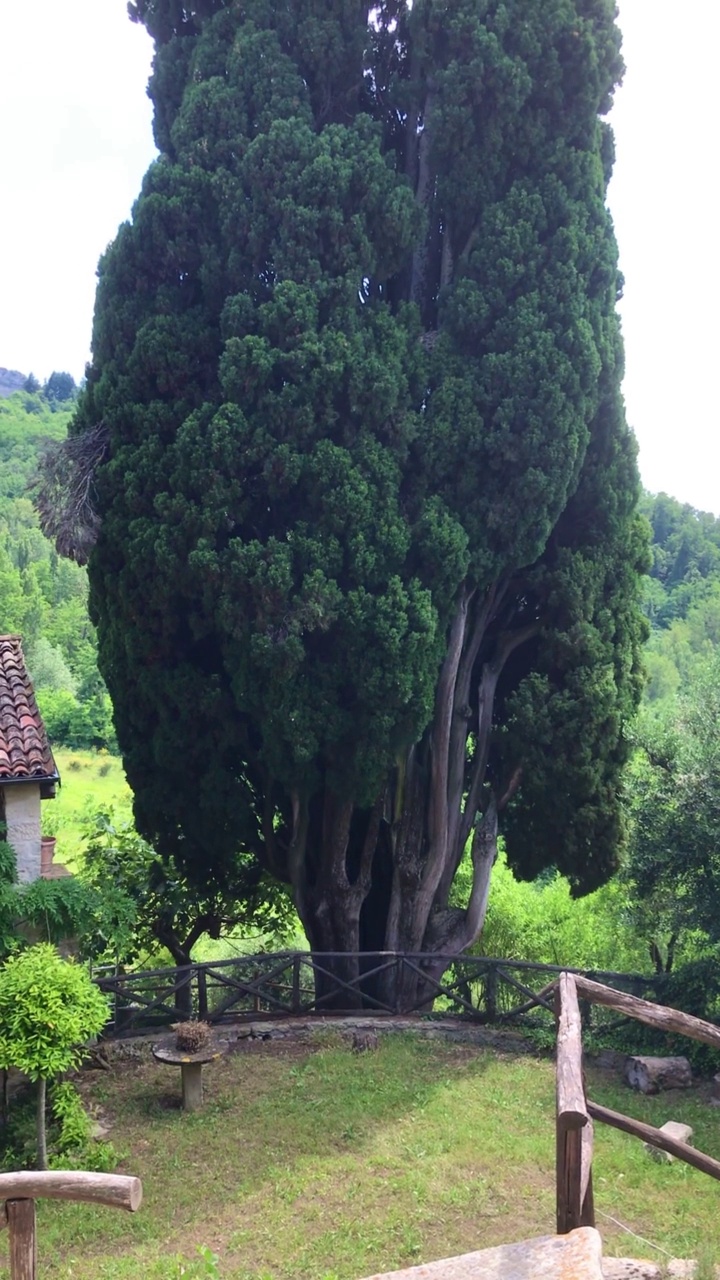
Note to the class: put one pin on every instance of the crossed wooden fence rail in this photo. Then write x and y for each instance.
(575, 1112)
(19, 1191)
(298, 983)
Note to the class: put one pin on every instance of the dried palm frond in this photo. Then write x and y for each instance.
(64, 491)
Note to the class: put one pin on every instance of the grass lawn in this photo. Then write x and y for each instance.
(315, 1162)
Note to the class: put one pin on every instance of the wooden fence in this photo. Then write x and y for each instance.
(298, 983)
(19, 1191)
(575, 1112)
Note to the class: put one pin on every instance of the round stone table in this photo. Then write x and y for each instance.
(191, 1065)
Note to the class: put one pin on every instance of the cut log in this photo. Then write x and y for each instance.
(650, 1075)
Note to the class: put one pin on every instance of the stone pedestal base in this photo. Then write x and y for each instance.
(191, 1065)
(192, 1091)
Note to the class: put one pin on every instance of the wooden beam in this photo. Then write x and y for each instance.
(587, 1136)
(656, 1137)
(23, 1240)
(573, 1130)
(655, 1015)
(571, 1109)
(113, 1189)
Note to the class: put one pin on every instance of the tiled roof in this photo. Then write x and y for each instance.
(24, 748)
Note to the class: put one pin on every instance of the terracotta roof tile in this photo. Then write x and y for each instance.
(24, 748)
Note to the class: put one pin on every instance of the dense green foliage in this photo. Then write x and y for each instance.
(670, 875)
(367, 569)
(145, 902)
(675, 797)
(49, 1008)
(682, 596)
(43, 598)
(542, 922)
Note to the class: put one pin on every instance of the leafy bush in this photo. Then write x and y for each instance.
(73, 1146)
(540, 921)
(69, 1136)
(49, 1007)
(67, 721)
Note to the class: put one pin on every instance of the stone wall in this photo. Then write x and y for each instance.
(22, 815)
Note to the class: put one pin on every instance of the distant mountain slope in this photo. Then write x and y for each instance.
(11, 381)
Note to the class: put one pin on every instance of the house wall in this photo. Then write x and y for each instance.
(22, 816)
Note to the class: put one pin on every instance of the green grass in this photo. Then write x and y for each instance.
(329, 1164)
(91, 780)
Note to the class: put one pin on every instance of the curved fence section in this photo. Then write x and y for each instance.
(300, 984)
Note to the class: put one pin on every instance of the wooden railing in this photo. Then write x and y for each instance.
(298, 983)
(575, 1112)
(19, 1191)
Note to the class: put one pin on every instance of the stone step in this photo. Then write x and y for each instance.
(576, 1256)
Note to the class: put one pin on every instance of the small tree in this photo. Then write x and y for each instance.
(145, 900)
(60, 386)
(48, 1008)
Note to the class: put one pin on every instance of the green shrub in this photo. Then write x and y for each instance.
(49, 1008)
(540, 921)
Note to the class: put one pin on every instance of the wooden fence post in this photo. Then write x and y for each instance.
(574, 1134)
(23, 1245)
(491, 986)
(19, 1191)
(202, 994)
(296, 998)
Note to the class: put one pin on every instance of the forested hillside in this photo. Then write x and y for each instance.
(43, 597)
(673, 784)
(682, 594)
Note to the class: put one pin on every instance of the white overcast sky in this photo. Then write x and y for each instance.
(76, 139)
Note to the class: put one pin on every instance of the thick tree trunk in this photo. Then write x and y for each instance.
(380, 881)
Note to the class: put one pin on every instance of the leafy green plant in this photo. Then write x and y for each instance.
(67, 1108)
(70, 1143)
(49, 1007)
(541, 921)
(148, 901)
(206, 1268)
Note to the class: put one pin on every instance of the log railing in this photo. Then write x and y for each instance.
(575, 1112)
(19, 1191)
(482, 989)
(573, 1130)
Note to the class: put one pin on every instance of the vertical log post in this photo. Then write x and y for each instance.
(296, 1000)
(491, 985)
(397, 980)
(23, 1246)
(19, 1191)
(574, 1135)
(202, 994)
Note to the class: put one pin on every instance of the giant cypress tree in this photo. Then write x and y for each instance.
(365, 578)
